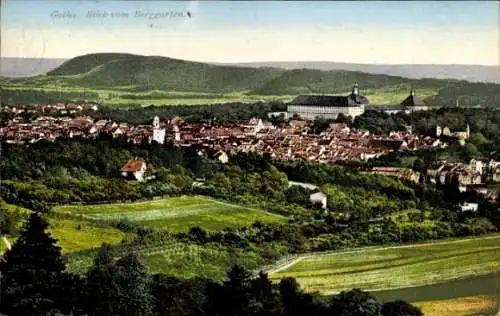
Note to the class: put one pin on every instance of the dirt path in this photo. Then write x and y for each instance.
(285, 266)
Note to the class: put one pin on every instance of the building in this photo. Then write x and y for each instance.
(134, 169)
(461, 135)
(221, 156)
(310, 107)
(318, 197)
(469, 207)
(158, 132)
(411, 104)
(399, 173)
(414, 103)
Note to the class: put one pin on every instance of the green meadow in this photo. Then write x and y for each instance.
(176, 214)
(72, 234)
(396, 267)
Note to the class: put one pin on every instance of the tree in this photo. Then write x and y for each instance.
(32, 272)
(135, 296)
(290, 297)
(355, 303)
(266, 300)
(120, 288)
(419, 166)
(400, 308)
(101, 288)
(478, 139)
(174, 297)
(236, 292)
(198, 235)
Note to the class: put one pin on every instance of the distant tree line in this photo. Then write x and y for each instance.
(19, 97)
(216, 113)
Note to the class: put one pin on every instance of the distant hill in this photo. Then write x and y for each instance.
(154, 72)
(24, 67)
(136, 73)
(472, 73)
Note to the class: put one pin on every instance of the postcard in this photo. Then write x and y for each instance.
(251, 158)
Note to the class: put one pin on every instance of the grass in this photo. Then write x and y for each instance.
(77, 234)
(72, 234)
(396, 267)
(182, 259)
(177, 214)
(462, 306)
(402, 219)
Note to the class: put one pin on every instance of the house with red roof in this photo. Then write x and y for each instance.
(134, 169)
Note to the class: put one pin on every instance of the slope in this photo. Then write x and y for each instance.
(84, 63)
(153, 72)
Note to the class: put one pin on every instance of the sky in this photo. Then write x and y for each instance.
(390, 32)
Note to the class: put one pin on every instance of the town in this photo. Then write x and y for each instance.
(288, 141)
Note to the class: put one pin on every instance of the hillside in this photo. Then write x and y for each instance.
(24, 67)
(112, 75)
(152, 72)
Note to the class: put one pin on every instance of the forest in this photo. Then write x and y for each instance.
(16, 97)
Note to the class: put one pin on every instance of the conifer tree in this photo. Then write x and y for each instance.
(122, 288)
(101, 290)
(31, 272)
(135, 295)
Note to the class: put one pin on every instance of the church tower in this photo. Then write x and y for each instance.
(158, 132)
(177, 133)
(355, 89)
(438, 130)
(467, 131)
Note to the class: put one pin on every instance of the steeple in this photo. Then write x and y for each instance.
(412, 92)
(355, 89)
(156, 122)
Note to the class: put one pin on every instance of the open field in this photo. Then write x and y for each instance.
(125, 96)
(177, 214)
(395, 267)
(468, 296)
(77, 234)
(72, 234)
(180, 259)
(462, 306)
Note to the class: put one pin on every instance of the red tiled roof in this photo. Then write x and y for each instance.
(133, 165)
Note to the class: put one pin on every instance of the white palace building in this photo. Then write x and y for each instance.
(329, 107)
(310, 107)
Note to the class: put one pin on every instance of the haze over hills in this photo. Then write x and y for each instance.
(130, 73)
(472, 73)
(23, 67)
